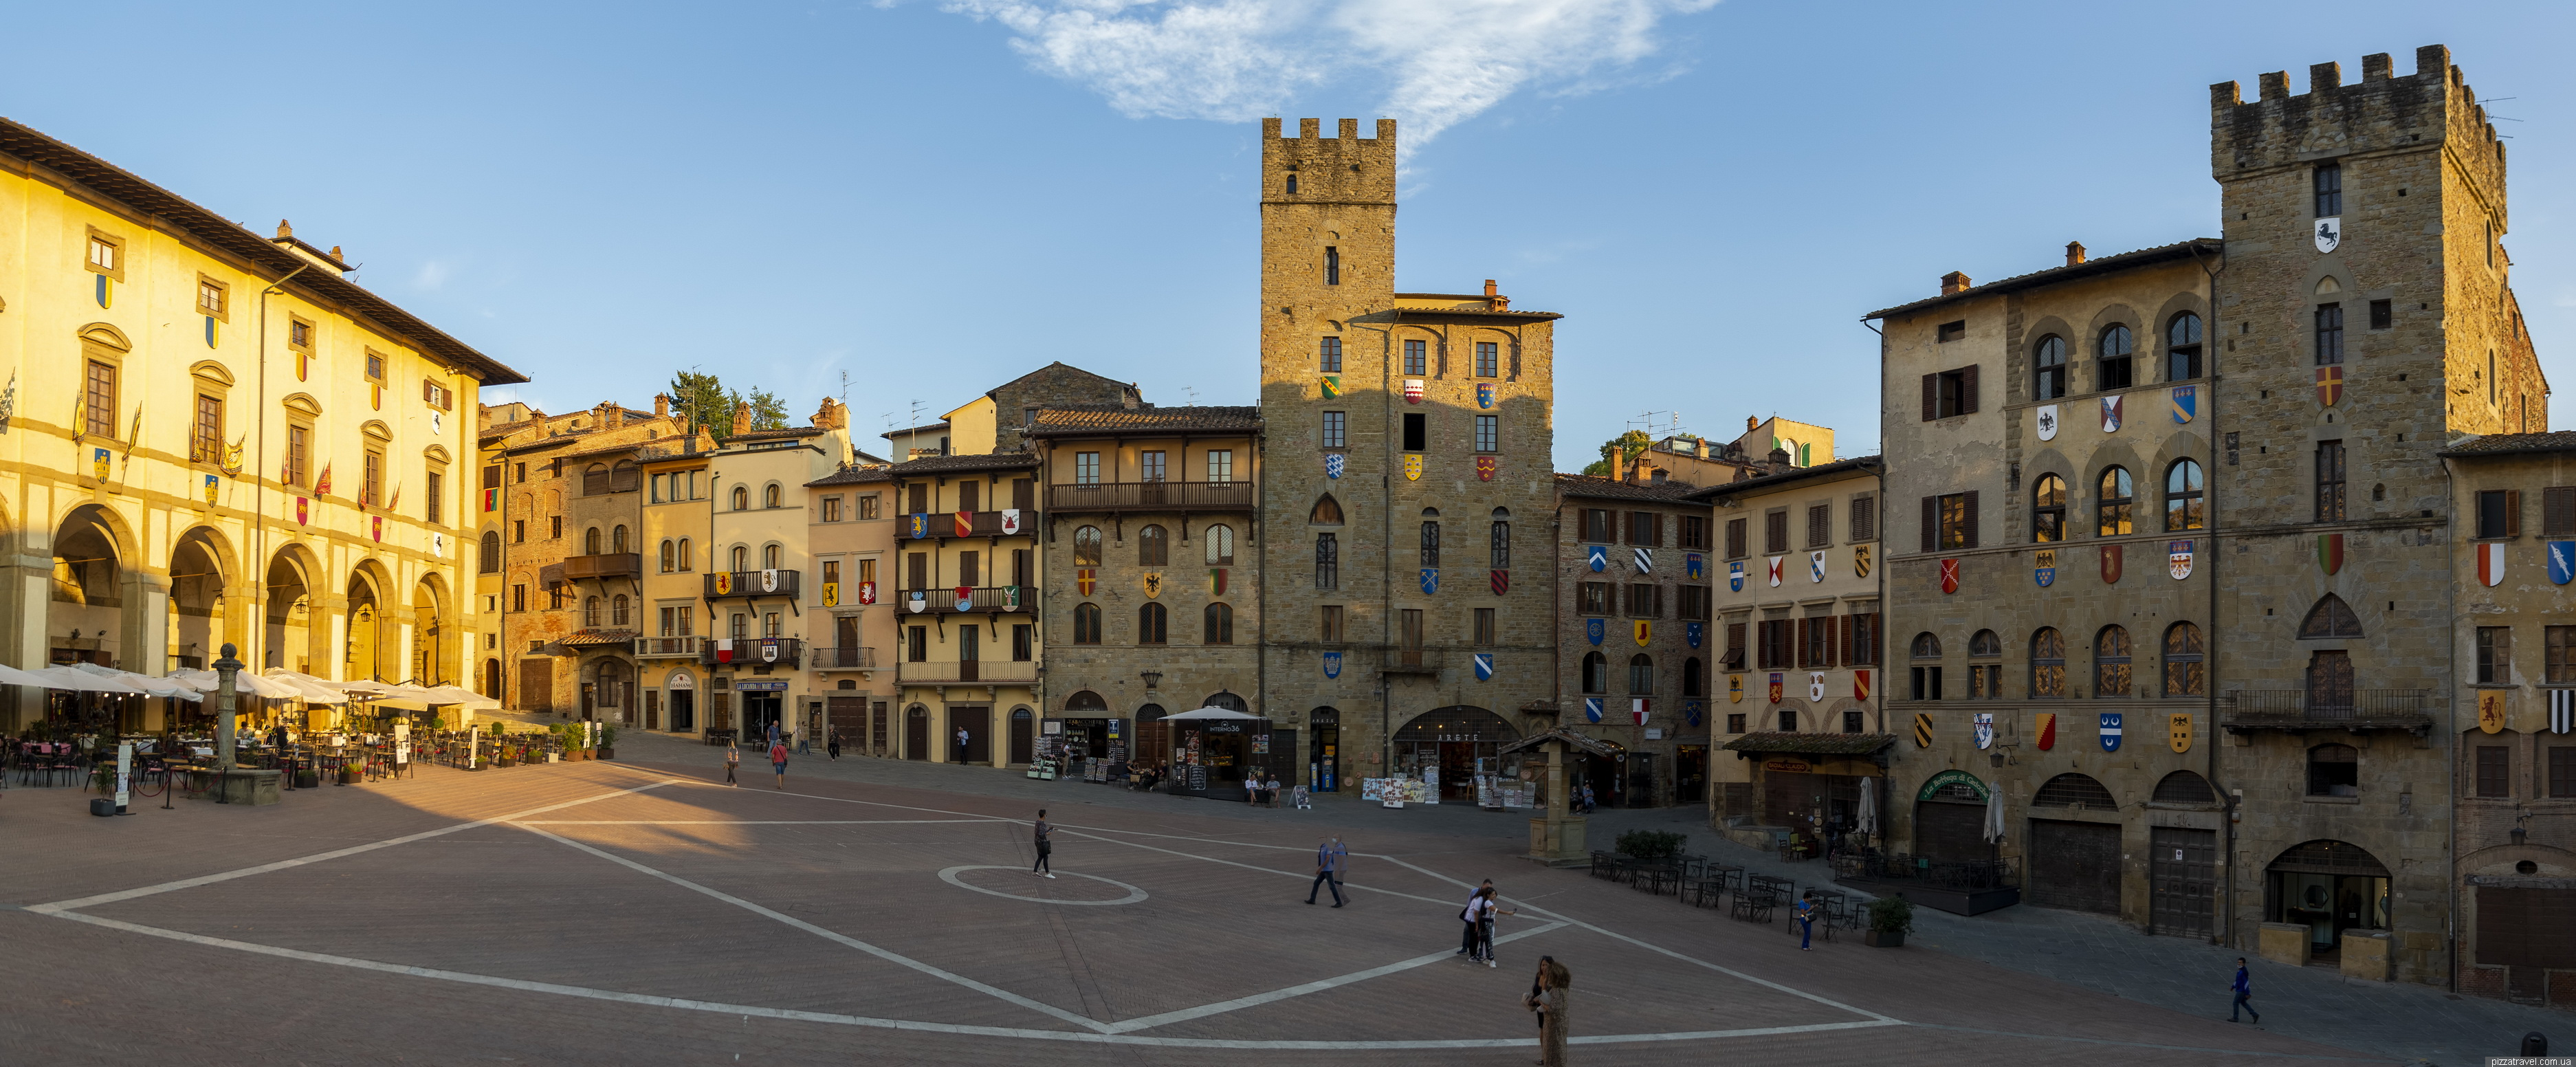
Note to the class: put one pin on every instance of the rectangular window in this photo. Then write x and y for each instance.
(1328, 624)
(1028, 417)
(1958, 521)
(1086, 468)
(1775, 531)
(2329, 481)
(1735, 723)
(1734, 655)
(770, 627)
(1950, 331)
(1150, 466)
(436, 395)
(518, 598)
(1024, 643)
(1864, 518)
(970, 568)
(2329, 188)
(1926, 683)
(1694, 602)
(1328, 561)
(1735, 539)
(433, 501)
(1489, 433)
(2329, 334)
(831, 570)
(2495, 655)
(2558, 655)
(2558, 511)
(1489, 363)
(1864, 639)
(1772, 644)
(1485, 627)
(916, 644)
(1416, 357)
(2562, 771)
(1336, 433)
(2383, 314)
(556, 523)
(2495, 771)
(371, 483)
(831, 509)
(970, 496)
(519, 531)
(99, 406)
(920, 494)
(1332, 355)
(208, 432)
(105, 254)
(1816, 641)
(210, 296)
(2500, 513)
(1332, 266)
(1820, 525)
(1645, 528)
(1949, 393)
(1020, 567)
(916, 570)
(1417, 432)
(1220, 466)
(1694, 532)
(1596, 525)
(868, 506)
(1595, 598)
(375, 368)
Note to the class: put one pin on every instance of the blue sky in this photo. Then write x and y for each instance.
(933, 197)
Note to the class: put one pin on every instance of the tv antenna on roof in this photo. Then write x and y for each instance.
(1645, 420)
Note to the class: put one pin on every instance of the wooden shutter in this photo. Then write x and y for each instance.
(1847, 639)
(1931, 523)
(1931, 397)
(2558, 511)
(1968, 389)
(2513, 513)
(1969, 536)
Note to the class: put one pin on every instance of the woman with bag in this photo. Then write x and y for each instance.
(1550, 999)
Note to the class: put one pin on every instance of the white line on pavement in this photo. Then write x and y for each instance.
(1318, 986)
(740, 822)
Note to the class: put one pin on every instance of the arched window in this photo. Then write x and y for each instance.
(2184, 674)
(590, 612)
(1985, 645)
(490, 563)
(594, 479)
(1926, 672)
(769, 557)
(617, 538)
(2183, 496)
(2111, 663)
(2184, 787)
(1219, 540)
(687, 561)
(1328, 562)
(1500, 540)
(1694, 678)
(2330, 617)
(1086, 624)
(590, 541)
(1153, 625)
(2113, 369)
(2074, 791)
(741, 558)
(2113, 507)
(617, 610)
(1153, 547)
(2334, 771)
(1641, 674)
(1985, 679)
(1927, 646)
(1086, 546)
(1216, 624)
(670, 558)
(741, 498)
(1431, 542)
(1328, 511)
(2182, 347)
(626, 477)
(771, 497)
(2048, 509)
(2047, 663)
(2048, 368)
(1596, 673)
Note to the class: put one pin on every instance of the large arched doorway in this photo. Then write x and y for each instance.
(611, 689)
(85, 622)
(198, 578)
(2075, 863)
(2328, 887)
(916, 733)
(1453, 745)
(1949, 819)
(288, 616)
(430, 656)
(364, 645)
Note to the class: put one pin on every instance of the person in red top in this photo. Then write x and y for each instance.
(778, 761)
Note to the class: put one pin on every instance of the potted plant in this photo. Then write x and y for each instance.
(608, 742)
(1651, 844)
(1889, 920)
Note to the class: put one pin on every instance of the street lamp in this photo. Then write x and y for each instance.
(226, 671)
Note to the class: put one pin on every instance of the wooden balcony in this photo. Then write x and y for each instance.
(934, 525)
(751, 584)
(667, 647)
(1153, 496)
(843, 659)
(1396, 659)
(966, 671)
(2297, 710)
(1002, 598)
(751, 650)
(604, 565)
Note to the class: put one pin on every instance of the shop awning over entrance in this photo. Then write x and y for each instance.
(1574, 740)
(1813, 744)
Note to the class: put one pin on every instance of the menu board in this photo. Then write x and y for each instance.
(1198, 774)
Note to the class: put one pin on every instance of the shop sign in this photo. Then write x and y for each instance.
(779, 686)
(1933, 784)
(1788, 766)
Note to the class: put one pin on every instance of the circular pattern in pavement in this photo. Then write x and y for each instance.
(949, 876)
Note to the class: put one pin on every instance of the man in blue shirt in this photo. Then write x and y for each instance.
(2244, 993)
(1329, 859)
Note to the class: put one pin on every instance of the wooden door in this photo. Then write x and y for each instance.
(1949, 832)
(847, 719)
(536, 685)
(1024, 737)
(916, 734)
(2075, 865)
(978, 724)
(2182, 880)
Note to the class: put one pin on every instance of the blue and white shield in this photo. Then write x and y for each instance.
(1645, 560)
(1985, 721)
(1592, 709)
(1598, 556)
(1332, 665)
(1691, 711)
(1694, 566)
(1484, 666)
(1430, 579)
(2562, 561)
(1694, 632)
(1333, 464)
(1594, 630)
(1484, 394)
(1735, 577)
(2110, 731)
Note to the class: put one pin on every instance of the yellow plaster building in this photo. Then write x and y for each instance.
(212, 436)
(754, 587)
(676, 522)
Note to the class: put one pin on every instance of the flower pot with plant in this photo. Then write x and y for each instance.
(1890, 919)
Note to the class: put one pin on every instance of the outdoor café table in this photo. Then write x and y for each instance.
(1772, 888)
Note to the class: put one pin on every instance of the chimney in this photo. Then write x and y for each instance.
(335, 254)
(1779, 458)
(2074, 253)
(284, 230)
(741, 418)
(661, 405)
(1954, 282)
(1752, 423)
(1659, 476)
(831, 416)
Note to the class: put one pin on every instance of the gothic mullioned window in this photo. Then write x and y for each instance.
(2183, 498)
(2113, 369)
(2048, 368)
(2048, 509)
(2114, 505)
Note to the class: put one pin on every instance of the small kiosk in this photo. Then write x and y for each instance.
(1214, 749)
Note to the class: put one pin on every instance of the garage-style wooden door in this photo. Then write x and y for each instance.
(2182, 875)
(2075, 865)
(1948, 832)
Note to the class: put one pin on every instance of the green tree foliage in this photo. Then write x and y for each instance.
(705, 402)
(1617, 452)
(767, 411)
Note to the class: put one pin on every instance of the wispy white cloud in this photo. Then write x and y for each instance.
(431, 277)
(1442, 61)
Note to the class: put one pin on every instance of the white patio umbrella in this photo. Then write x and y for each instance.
(80, 681)
(14, 676)
(1204, 714)
(1994, 829)
(170, 688)
(308, 688)
(453, 694)
(1869, 806)
(244, 682)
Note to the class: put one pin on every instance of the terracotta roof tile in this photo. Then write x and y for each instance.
(2204, 246)
(1812, 744)
(1615, 489)
(2498, 444)
(853, 476)
(997, 461)
(1075, 419)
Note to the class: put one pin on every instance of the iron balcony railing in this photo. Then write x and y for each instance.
(861, 659)
(921, 526)
(977, 599)
(2290, 707)
(763, 651)
(666, 647)
(604, 565)
(1152, 496)
(722, 584)
(989, 670)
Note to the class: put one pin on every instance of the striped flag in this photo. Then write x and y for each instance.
(2562, 710)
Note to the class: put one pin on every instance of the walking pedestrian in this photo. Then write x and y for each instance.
(1551, 998)
(771, 731)
(805, 743)
(1806, 919)
(1467, 916)
(832, 745)
(1329, 858)
(733, 759)
(1045, 828)
(778, 761)
(2244, 994)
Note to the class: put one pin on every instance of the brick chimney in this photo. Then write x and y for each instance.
(1780, 458)
(831, 416)
(2075, 253)
(1499, 301)
(1954, 282)
(661, 405)
(610, 415)
(741, 418)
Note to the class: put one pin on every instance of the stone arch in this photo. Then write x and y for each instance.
(2185, 787)
(1085, 700)
(2328, 886)
(106, 334)
(211, 371)
(202, 576)
(2074, 790)
(293, 626)
(2329, 618)
(94, 572)
(431, 654)
(371, 614)
(1326, 512)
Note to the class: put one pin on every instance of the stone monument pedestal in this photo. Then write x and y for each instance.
(242, 786)
(1558, 841)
